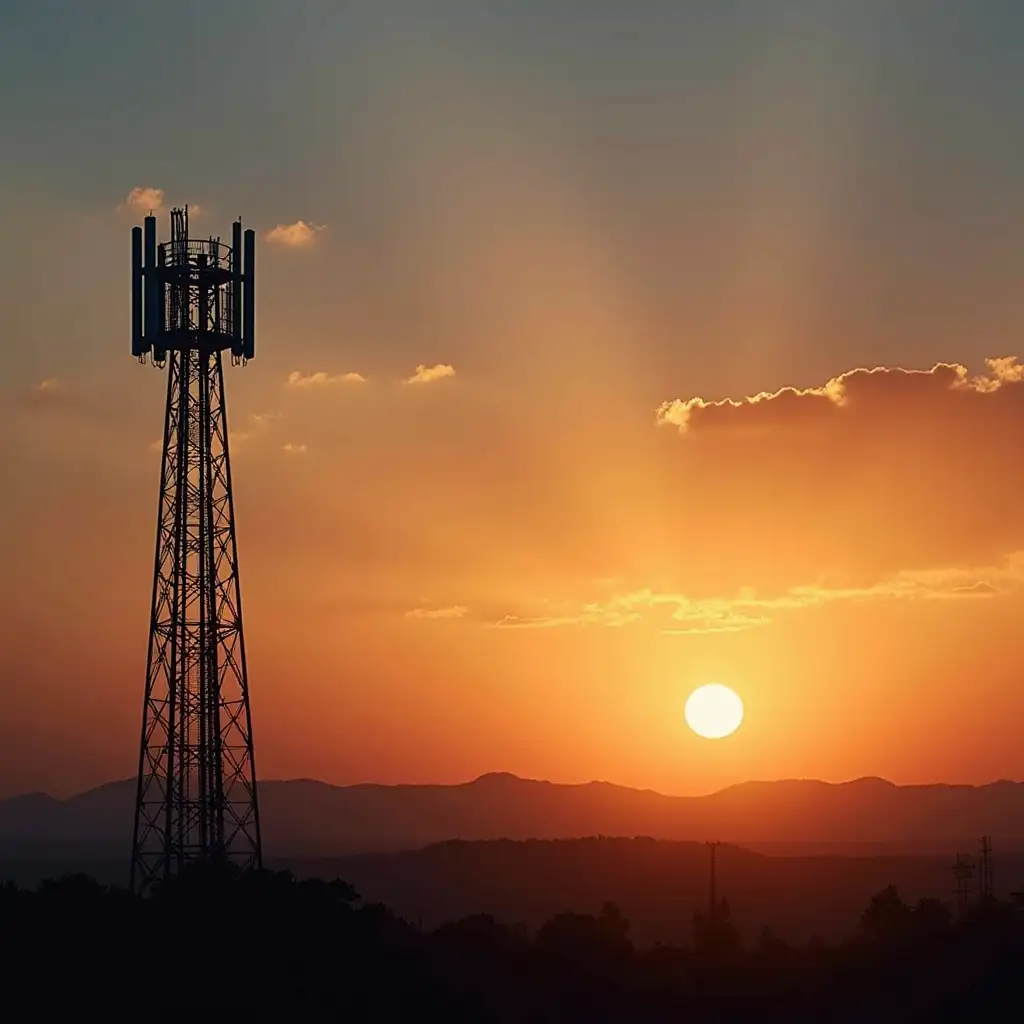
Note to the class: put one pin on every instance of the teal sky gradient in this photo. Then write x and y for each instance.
(872, 149)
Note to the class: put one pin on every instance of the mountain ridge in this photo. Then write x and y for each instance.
(496, 776)
(309, 817)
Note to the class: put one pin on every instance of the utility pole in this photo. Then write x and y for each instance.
(985, 869)
(712, 891)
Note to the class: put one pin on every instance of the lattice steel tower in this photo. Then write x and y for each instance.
(192, 302)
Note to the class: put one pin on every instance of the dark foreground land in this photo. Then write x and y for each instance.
(270, 947)
(658, 884)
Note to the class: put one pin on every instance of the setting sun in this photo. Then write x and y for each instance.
(714, 711)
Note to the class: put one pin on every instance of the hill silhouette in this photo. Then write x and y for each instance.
(306, 818)
(657, 883)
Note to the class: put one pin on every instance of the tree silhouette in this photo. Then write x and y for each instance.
(768, 942)
(291, 949)
(932, 917)
(593, 944)
(887, 918)
(715, 933)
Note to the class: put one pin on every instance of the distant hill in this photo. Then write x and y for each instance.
(657, 884)
(305, 818)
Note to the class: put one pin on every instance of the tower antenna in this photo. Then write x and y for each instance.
(963, 875)
(192, 301)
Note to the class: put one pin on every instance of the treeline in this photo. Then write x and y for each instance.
(272, 947)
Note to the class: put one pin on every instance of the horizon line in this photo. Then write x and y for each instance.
(550, 782)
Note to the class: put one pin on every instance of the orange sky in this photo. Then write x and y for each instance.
(434, 588)
(525, 559)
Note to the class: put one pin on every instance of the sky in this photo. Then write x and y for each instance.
(604, 350)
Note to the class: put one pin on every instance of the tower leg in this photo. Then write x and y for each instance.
(196, 798)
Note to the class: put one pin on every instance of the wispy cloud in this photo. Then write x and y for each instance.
(681, 614)
(52, 394)
(298, 379)
(456, 611)
(300, 235)
(428, 374)
(293, 449)
(256, 424)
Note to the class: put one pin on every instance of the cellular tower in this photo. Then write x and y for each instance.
(193, 301)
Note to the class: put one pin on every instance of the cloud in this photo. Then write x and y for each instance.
(875, 470)
(299, 235)
(297, 379)
(457, 611)
(293, 449)
(680, 614)
(257, 424)
(77, 406)
(144, 198)
(428, 374)
(53, 394)
(262, 420)
(851, 394)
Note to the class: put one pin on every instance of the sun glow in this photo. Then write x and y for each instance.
(714, 711)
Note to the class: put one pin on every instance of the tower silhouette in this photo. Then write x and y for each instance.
(192, 302)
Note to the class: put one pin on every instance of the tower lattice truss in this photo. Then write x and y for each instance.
(197, 799)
